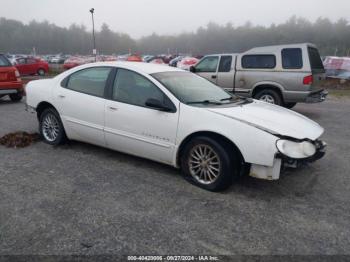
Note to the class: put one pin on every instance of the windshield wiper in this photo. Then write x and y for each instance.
(226, 99)
(213, 102)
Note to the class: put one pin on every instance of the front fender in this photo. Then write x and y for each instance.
(256, 146)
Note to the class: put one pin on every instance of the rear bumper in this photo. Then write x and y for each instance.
(317, 96)
(305, 96)
(11, 88)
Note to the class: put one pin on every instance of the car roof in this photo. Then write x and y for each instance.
(137, 66)
(273, 48)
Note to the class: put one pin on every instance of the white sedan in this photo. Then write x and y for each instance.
(174, 117)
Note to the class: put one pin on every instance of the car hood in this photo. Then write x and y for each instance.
(273, 119)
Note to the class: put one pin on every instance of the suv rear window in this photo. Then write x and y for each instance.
(4, 62)
(259, 61)
(315, 60)
(292, 58)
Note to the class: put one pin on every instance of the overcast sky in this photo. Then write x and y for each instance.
(143, 17)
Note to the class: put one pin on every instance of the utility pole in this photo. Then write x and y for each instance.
(94, 51)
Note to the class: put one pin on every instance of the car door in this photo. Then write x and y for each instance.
(207, 68)
(31, 66)
(226, 72)
(81, 104)
(135, 128)
(21, 66)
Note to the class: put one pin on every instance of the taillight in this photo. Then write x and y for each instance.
(308, 80)
(17, 74)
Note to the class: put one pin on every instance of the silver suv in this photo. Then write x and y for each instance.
(282, 75)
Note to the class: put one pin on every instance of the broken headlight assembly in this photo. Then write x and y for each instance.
(296, 150)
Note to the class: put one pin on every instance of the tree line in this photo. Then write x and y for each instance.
(332, 38)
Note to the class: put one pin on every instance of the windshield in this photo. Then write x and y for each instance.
(190, 88)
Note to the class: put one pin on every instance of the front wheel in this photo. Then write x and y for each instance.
(207, 164)
(51, 128)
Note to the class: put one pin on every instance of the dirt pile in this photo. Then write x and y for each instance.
(19, 139)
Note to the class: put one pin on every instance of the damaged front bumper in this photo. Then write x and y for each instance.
(281, 162)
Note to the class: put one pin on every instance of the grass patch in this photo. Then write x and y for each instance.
(340, 93)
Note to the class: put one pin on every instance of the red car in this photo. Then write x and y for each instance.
(10, 81)
(32, 66)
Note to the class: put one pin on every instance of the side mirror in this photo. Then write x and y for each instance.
(192, 69)
(156, 104)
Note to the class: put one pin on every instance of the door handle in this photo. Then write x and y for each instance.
(61, 96)
(213, 76)
(112, 108)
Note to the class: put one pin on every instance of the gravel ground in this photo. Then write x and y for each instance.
(82, 199)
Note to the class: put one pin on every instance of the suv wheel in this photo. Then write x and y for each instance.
(207, 164)
(51, 128)
(41, 72)
(269, 96)
(16, 97)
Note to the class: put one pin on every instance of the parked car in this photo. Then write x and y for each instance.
(58, 59)
(174, 61)
(134, 58)
(10, 81)
(32, 66)
(282, 75)
(174, 117)
(186, 62)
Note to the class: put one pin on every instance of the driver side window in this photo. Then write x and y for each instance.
(208, 64)
(132, 88)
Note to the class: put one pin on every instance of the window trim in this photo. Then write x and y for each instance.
(217, 66)
(65, 81)
(110, 90)
(292, 48)
(261, 68)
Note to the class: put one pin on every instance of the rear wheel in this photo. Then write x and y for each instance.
(207, 164)
(41, 72)
(16, 97)
(270, 96)
(289, 105)
(51, 128)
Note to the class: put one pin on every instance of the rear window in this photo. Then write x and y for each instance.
(259, 61)
(4, 62)
(292, 58)
(315, 60)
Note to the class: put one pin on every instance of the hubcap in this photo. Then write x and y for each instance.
(267, 98)
(50, 127)
(204, 164)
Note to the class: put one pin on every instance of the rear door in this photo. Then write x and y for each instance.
(226, 72)
(208, 67)
(317, 67)
(81, 104)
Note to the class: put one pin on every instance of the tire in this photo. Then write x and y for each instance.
(227, 170)
(289, 105)
(16, 97)
(41, 72)
(51, 127)
(270, 96)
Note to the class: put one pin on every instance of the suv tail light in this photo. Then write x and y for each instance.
(17, 74)
(308, 80)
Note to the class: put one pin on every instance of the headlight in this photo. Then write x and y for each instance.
(296, 150)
